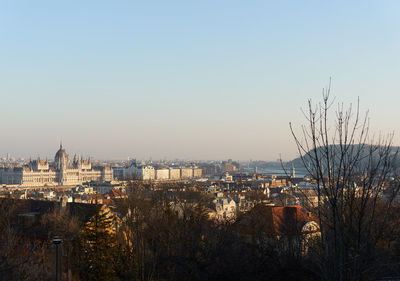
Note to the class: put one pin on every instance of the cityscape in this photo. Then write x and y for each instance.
(213, 140)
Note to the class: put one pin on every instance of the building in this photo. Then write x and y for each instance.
(186, 173)
(145, 172)
(174, 173)
(224, 209)
(293, 227)
(61, 172)
(197, 172)
(161, 173)
(118, 173)
(228, 166)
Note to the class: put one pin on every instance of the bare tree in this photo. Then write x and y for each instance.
(352, 171)
(21, 258)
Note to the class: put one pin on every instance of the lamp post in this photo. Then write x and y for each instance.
(57, 242)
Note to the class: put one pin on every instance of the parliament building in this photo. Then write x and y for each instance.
(61, 172)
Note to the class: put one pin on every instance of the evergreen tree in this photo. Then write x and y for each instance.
(99, 247)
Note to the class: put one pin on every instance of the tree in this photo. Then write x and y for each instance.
(98, 247)
(355, 176)
(20, 257)
(60, 224)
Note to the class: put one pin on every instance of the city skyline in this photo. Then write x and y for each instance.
(188, 80)
(9, 157)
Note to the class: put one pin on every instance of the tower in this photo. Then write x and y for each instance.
(61, 161)
(293, 172)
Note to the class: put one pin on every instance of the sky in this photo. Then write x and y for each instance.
(188, 79)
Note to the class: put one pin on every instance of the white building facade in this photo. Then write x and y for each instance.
(149, 172)
(59, 173)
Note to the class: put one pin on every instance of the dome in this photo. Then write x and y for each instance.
(61, 154)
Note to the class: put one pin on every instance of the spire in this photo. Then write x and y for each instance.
(60, 144)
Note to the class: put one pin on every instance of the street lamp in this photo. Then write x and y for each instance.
(57, 242)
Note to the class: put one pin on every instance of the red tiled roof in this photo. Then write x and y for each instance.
(108, 202)
(276, 220)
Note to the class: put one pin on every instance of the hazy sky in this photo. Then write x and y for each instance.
(188, 79)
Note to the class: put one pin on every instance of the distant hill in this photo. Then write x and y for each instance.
(335, 150)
